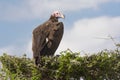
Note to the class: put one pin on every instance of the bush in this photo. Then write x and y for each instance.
(104, 65)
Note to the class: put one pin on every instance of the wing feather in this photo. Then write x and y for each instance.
(55, 37)
(46, 38)
(39, 38)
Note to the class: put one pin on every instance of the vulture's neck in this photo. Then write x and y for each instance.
(53, 19)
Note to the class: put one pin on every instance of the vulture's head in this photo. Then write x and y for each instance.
(57, 14)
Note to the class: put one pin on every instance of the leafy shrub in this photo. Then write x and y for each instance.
(104, 65)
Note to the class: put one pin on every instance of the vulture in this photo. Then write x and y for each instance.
(47, 36)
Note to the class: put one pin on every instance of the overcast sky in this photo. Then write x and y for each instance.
(88, 24)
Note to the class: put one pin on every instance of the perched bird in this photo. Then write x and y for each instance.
(47, 37)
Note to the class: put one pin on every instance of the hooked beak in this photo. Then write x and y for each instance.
(62, 16)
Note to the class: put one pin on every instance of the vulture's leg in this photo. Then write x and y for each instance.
(37, 61)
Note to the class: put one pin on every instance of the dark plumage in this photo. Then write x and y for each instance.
(47, 37)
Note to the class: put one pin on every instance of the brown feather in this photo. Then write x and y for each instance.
(53, 31)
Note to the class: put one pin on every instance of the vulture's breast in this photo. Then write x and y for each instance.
(56, 32)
